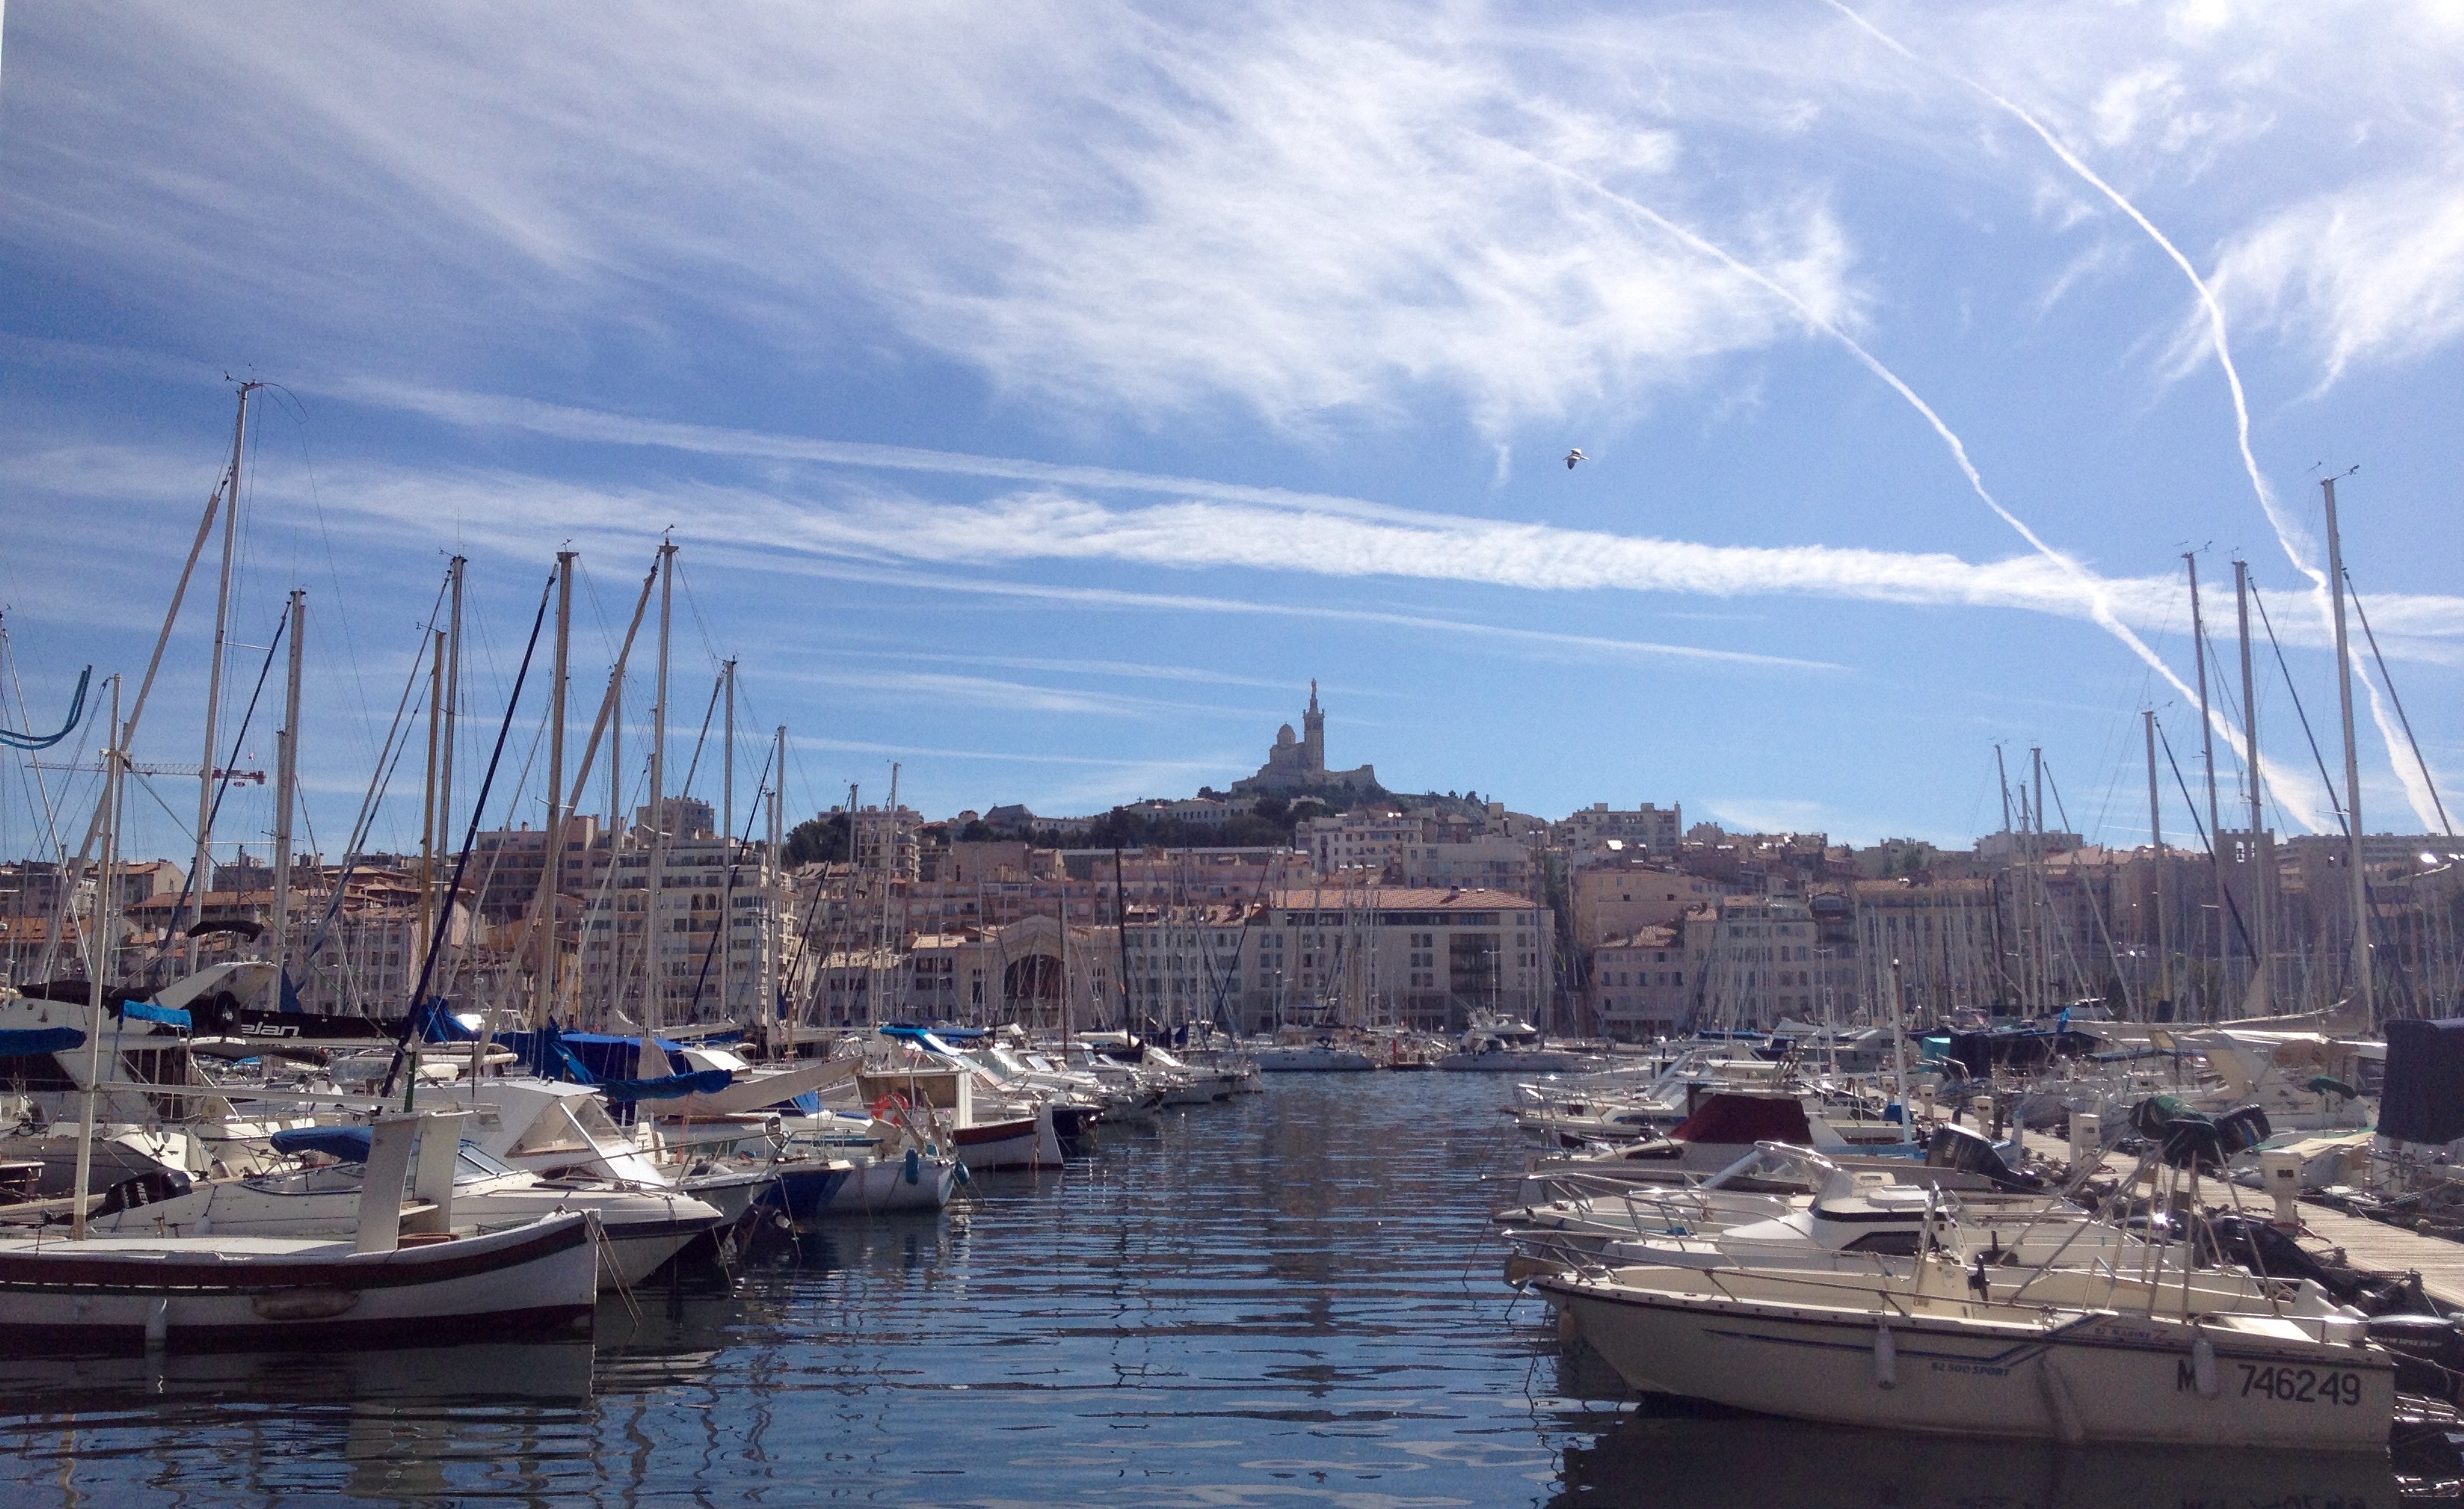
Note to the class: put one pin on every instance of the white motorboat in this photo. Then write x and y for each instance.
(2072, 1356)
(1506, 1045)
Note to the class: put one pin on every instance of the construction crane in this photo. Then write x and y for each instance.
(244, 778)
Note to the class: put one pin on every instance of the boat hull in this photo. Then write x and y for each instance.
(1313, 1060)
(894, 1186)
(117, 1294)
(1026, 1141)
(2063, 1376)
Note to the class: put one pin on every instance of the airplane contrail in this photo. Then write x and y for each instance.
(2289, 534)
(2100, 607)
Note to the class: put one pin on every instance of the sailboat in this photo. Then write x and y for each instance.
(407, 1274)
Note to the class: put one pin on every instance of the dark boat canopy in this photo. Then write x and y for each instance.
(2423, 1097)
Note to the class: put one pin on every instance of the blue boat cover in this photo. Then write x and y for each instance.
(147, 1011)
(22, 1043)
(350, 1144)
(436, 1024)
(2423, 1099)
(703, 1082)
(914, 1030)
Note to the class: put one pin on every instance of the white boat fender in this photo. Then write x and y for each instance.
(158, 1323)
(2203, 1366)
(1887, 1356)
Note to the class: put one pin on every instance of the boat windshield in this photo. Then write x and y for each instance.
(1773, 1165)
(476, 1163)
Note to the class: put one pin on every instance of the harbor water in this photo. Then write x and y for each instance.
(1291, 1297)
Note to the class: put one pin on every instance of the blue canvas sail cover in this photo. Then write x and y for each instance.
(25, 1043)
(349, 1144)
(147, 1011)
(436, 1024)
(2423, 1099)
(674, 1086)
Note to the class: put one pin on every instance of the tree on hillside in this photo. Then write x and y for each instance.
(821, 839)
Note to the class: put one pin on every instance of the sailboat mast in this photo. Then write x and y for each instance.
(2199, 656)
(773, 882)
(203, 873)
(1121, 919)
(2263, 860)
(653, 965)
(452, 706)
(286, 781)
(888, 857)
(2156, 837)
(98, 955)
(727, 839)
(2352, 766)
(548, 976)
(428, 825)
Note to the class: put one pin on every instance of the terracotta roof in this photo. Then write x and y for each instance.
(1400, 898)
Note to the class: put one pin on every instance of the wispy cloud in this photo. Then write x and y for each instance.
(942, 690)
(881, 535)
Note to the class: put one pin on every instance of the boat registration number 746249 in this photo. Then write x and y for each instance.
(2330, 1385)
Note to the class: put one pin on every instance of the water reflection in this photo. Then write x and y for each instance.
(1652, 1459)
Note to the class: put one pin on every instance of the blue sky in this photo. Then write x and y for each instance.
(1042, 396)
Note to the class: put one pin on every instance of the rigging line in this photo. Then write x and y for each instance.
(126, 734)
(389, 757)
(2056, 789)
(692, 607)
(333, 566)
(179, 824)
(2335, 805)
(10, 738)
(410, 1022)
(34, 768)
(496, 852)
(200, 886)
(723, 938)
(2206, 840)
(2427, 779)
(701, 740)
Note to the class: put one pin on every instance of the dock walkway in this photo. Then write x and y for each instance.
(2373, 1245)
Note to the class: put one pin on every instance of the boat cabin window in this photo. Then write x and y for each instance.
(474, 1162)
(557, 1131)
(1775, 1169)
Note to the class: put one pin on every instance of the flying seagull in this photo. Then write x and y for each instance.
(1572, 456)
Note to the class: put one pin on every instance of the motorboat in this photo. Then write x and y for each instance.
(1496, 1044)
(2089, 1357)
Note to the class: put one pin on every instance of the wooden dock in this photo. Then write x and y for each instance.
(2381, 1248)
(2372, 1245)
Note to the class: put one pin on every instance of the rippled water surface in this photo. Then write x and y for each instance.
(1289, 1299)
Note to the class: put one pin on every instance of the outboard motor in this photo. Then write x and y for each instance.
(145, 1189)
(1969, 1152)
